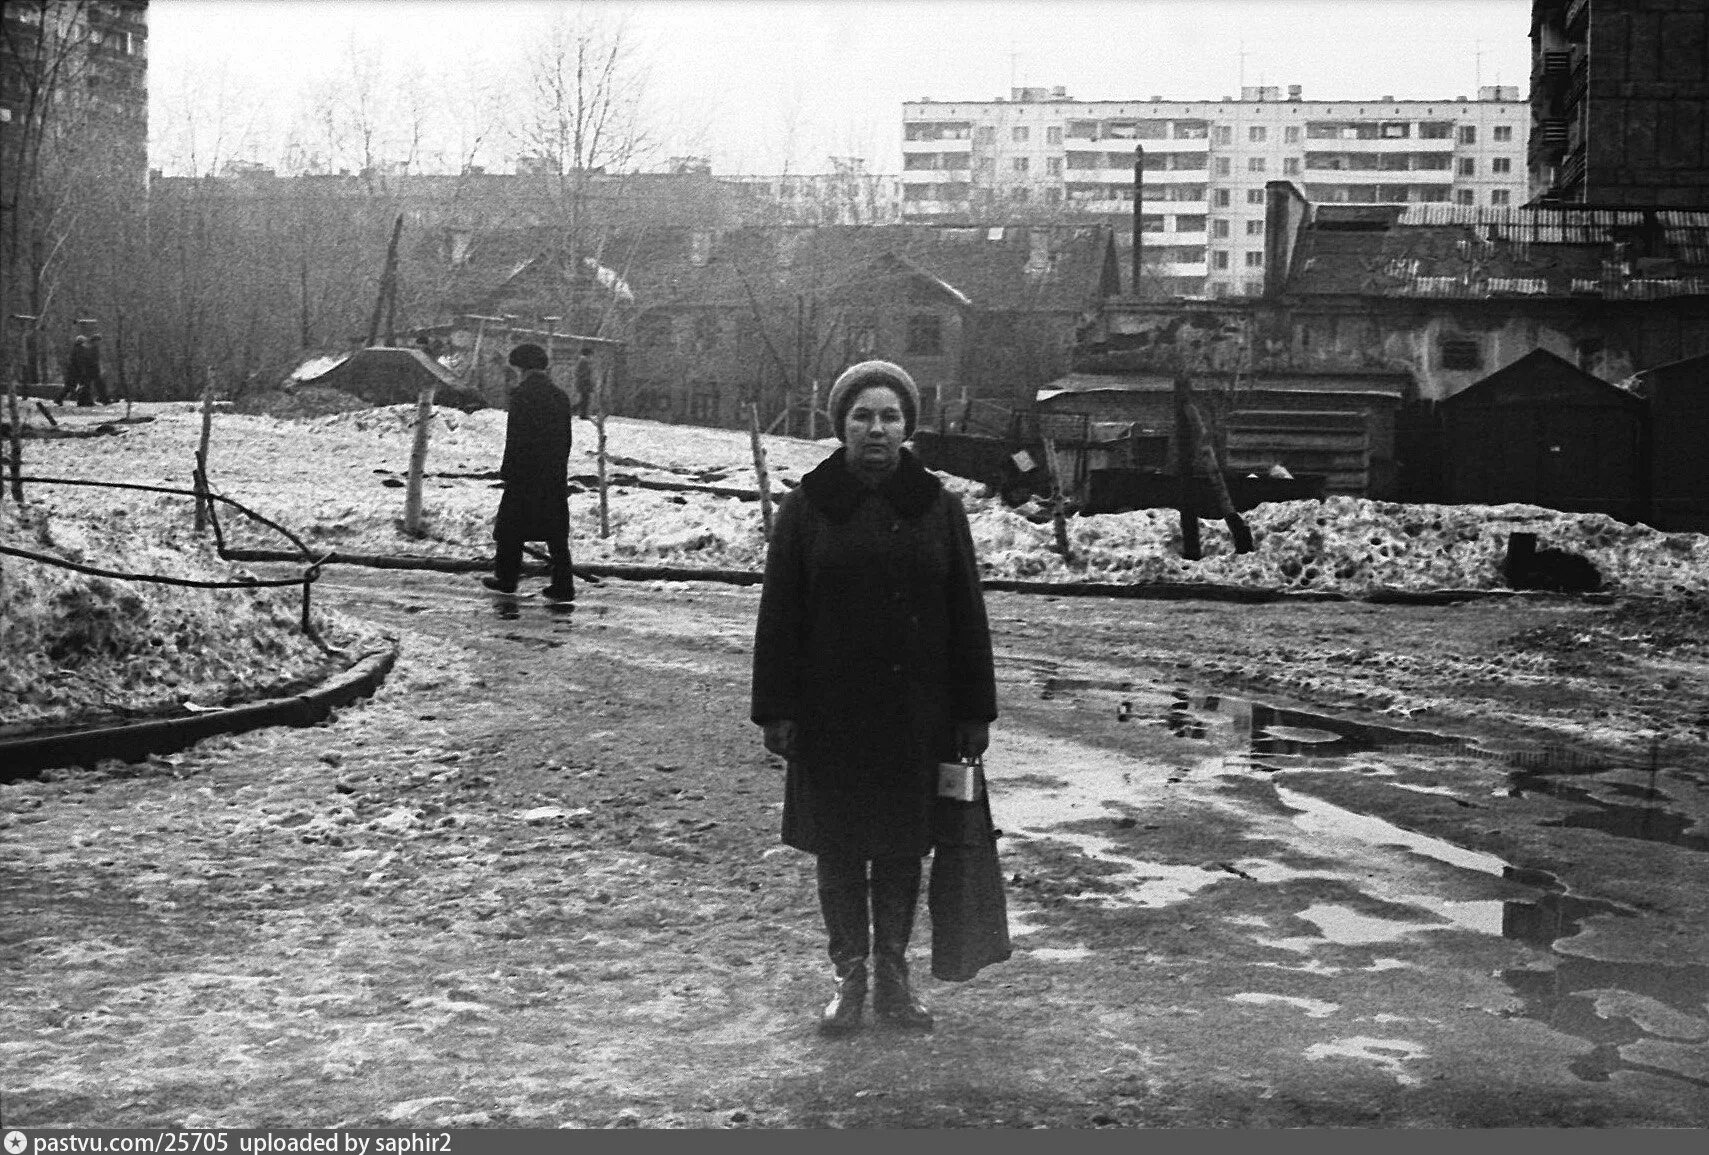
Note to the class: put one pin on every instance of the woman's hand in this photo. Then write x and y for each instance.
(971, 739)
(780, 738)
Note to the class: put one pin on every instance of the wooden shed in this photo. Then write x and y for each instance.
(1678, 395)
(1544, 432)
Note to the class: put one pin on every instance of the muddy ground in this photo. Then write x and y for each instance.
(1331, 864)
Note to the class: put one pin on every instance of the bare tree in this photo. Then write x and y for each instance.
(71, 164)
(584, 120)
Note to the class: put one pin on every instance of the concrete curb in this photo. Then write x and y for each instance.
(27, 756)
(1154, 591)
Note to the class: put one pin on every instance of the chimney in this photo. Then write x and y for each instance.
(1138, 208)
(1295, 92)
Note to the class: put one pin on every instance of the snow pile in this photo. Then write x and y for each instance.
(77, 644)
(337, 480)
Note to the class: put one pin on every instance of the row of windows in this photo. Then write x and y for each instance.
(1197, 130)
(1223, 259)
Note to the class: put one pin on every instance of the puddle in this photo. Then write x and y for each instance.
(1637, 1016)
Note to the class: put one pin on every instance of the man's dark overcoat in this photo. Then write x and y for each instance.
(535, 470)
(872, 637)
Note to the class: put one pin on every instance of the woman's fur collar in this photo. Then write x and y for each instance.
(836, 492)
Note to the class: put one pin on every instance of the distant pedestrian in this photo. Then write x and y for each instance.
(584, 381)
(872, 664)
(535, 471)
(83, 372)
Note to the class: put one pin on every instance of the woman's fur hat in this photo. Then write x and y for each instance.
(857, 377)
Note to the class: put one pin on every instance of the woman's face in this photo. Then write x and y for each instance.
(874, 429)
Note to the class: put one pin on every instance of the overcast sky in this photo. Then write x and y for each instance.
(758, 84)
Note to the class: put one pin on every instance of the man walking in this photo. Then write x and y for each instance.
(535, 471)
(83, 369)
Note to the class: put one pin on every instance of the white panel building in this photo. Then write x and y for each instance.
(1041, 155)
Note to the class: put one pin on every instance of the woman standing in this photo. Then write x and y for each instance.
(872, 663)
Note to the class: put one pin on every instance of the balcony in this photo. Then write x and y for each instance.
(947, 144)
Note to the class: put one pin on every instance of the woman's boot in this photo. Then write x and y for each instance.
(895, 894)
(842, 900)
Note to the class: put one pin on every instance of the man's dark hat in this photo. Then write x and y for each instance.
(528, 357)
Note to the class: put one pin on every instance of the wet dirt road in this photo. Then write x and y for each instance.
(535, 881)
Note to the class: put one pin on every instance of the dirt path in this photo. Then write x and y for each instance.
(536, 881)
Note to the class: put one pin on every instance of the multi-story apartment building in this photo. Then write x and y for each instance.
(1041, 155)
(1619, 100)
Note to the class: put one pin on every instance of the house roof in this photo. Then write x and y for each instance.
(1064, 268)
(1375, 384)
(1544, 252)
(1540, 377)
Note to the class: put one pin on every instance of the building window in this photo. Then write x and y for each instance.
(1224, 166)
(1501, 165)
(1219, 227)
(1254, 196)
(1468, 134)
(925, 335)
(1254, 228)
(1256, 134)
(1019, 163)
(1255, 258)
(986, 135)
(706, 334)
(1219, 288)
(1291, 134)
(1020, 195)
(1018, 134)
(653, 331)
(1219, 259)
(1465, 196)
(1053, 134)
(1254, 288)
(1435, 129)
(1052, 196)
(1291, 165)
(1503, 133)
(1223, 197)
(1466, 166)
(703, 404)
(1053, 165)
(1254, 164)
(1459, 353)
(1192, 224)
(1224, 134)
(1499, 196)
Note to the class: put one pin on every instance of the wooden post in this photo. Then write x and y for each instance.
(16, 456)
(388, 279)
(201, 485)
(24, 322)
(760, 474)
(1184, 470)
(1237, 527)
(1058, 516)
(418, 461)
(599, 429)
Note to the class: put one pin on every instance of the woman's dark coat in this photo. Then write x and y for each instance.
(535, 470)
(872, 638)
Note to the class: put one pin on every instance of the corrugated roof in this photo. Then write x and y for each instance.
(1455, 251)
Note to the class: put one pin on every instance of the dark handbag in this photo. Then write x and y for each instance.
(970, 921)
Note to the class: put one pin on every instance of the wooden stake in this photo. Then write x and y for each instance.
(599, 428)
(1184, 470)
(418, 461)
(1058, 515)
(17, 455)
(202, 453)
(388, 280)
(760, 474)
(1237, 527)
